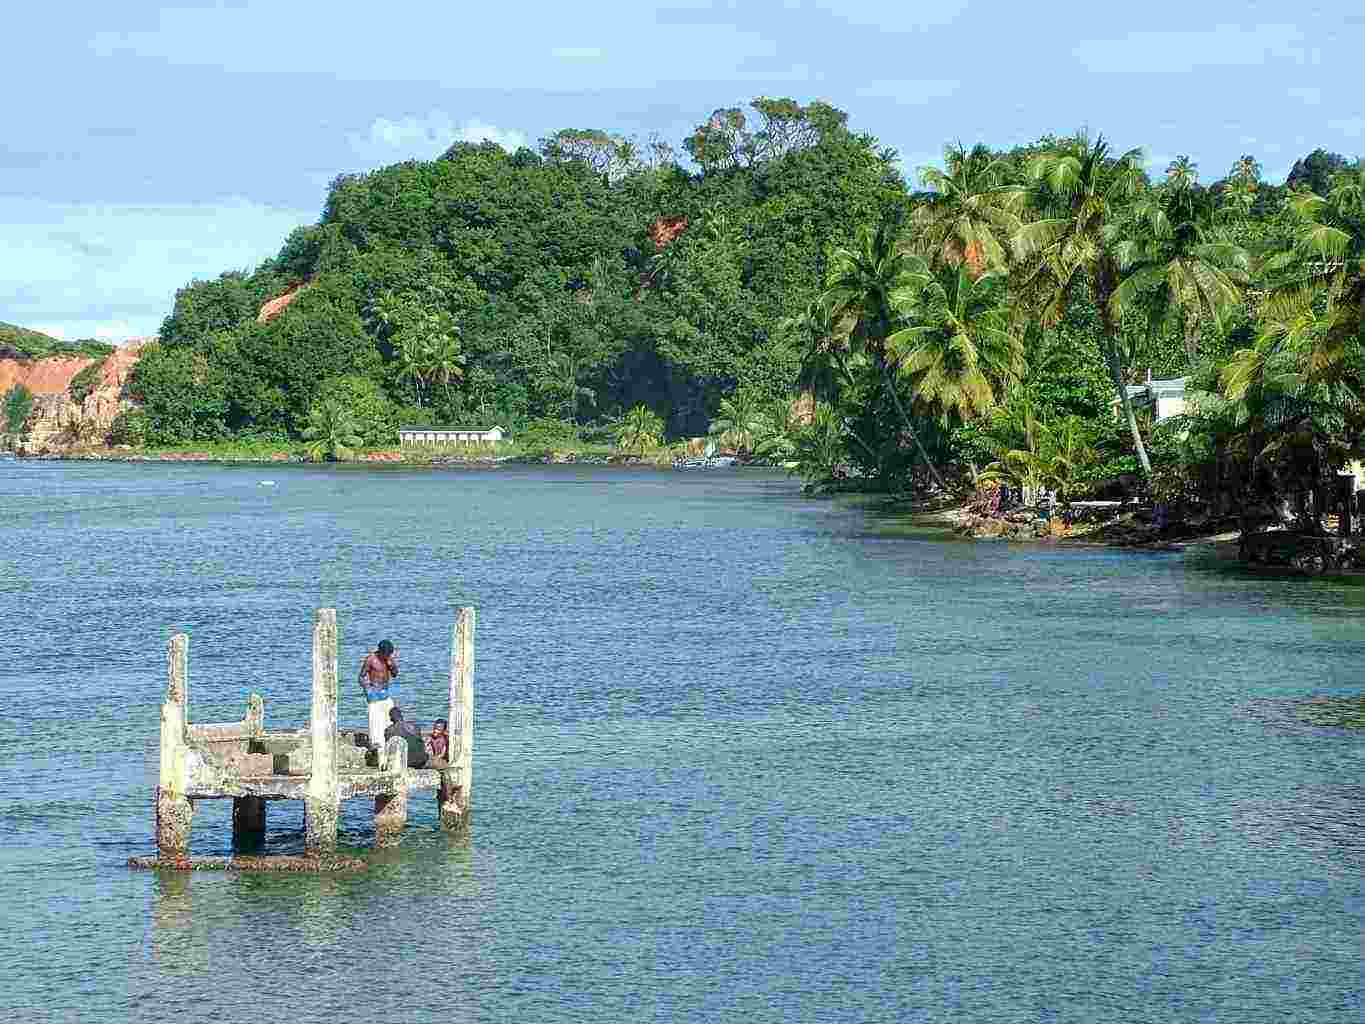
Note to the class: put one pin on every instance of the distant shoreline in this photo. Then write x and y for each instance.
(368, 459)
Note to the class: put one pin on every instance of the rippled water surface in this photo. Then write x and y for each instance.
(739, 755)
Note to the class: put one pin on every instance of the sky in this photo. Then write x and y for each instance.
(147, 145)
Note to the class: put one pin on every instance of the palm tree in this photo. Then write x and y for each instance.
(413, 361)
(969, 216)
(1079, 191)
(779, 426)
(1246, 168)
(642, 430)
(1182, 172)
(1033, 452)
(866, 288)
(1295, 399)
(1173, 251)
(959, 350)
(561, 377)
(445, 361)
(332, 431)
(824, 366)
(828, 365)
(741, 418)
(1241, 185)
(818, 447)
(1326, 262)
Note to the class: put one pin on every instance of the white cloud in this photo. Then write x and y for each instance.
(475, 130)
(427, 137)
(110, 270)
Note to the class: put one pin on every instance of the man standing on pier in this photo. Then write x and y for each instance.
(377, 673)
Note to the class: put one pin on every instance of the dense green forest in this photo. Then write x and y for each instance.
(23, 343)
(978, 321)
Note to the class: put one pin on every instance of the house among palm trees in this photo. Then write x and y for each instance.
(1165, 398)
(450, 435)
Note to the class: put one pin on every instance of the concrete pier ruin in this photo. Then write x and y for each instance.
(321, 764)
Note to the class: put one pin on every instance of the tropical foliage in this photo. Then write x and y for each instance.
(996, 321)
(641, 431)
(332, 431)
(16, 406)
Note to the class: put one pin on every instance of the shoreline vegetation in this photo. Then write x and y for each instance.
(982, 333)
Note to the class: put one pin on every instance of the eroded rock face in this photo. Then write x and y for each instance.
(59, 422)
(279, 304)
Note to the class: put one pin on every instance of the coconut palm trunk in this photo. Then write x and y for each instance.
(1113, 358)
(890, 386)
(1191, 337)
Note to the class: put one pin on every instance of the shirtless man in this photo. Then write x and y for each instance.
(377, 672)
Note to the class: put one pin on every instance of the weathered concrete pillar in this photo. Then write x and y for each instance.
(173, 810)
(454, 795)
(391, 809)
(248, 817)
(322, 805)
(255, 715)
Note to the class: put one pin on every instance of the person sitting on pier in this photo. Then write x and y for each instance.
(438, 745)
(417, 751)
(377, 673)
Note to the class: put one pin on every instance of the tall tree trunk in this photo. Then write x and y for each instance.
(895, 398)
(1191, 337)
(1114, 360)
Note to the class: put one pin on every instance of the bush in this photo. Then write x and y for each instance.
(185, 395)
(373, 416)
(18, 403)
(129, 427)
(545, 434)
(86, 380)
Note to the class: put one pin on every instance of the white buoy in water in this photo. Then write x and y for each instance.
(267, 483)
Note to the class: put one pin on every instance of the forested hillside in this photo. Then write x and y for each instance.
(571, 283)
(985, 316)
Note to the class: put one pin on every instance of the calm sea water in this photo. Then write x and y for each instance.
(739, 755)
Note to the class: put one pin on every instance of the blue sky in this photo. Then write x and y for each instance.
(145, 145)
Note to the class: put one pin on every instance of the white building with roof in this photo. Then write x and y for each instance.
(1166, 398)
(451, 435)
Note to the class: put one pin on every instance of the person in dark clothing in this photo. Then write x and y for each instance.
(417, 749)
(438, 744)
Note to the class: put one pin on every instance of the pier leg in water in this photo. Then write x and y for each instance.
(391, 809)
(248, 820)
(173, 810)
(453, 797)
(321, 807)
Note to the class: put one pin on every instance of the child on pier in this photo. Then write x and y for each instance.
(438, 745)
